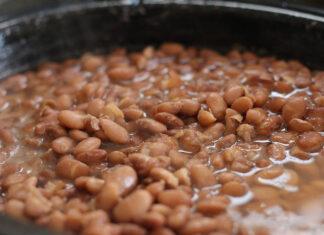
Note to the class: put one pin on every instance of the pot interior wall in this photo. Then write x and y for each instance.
(69, 32)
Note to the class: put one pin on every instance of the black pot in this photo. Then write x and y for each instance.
(68, 30)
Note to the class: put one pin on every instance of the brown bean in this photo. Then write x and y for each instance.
(150, 125)
(213, 205)
(172, 48)
(95, 107)
(178, 217)
(133, 113)
(162, 231)
(86, 145)
(171, 107)
(233, 93)
(242, 104)
(91, 184)
(71, 168)
(255, 116)
(15, 208)
(112, 111)
(124, 177)
(7, 136)
(191, 140)
(108, 197)
(131, 229)
(276, 151)
(275, 104)
(64, 102)
(94, 156)
(310, 141)
(122, 73)
(114, 132)
(202, 176)
(169, 120)
(300, 125)
(206, 118)
(294, 108)
(178, 160)
(226, 141)
(189, 107)
(152, 220)
(183, 176)
(217, 105)
(246, 132)
(233, 188)
(202, 225)
(158, 173)
(215, 131)
(78, 135)
(71, 119)
(133, 206)
(174, 197)
(37, 205)
(155, 188)
(63, 145)
(116, 157)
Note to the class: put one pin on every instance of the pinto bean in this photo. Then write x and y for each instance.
(233, 93)
(78, 135)
(150, 125)
(114, 132)
(242, 104)
(171, 107)
(71, 119)
(310, 141)
(165, 175)
(86, 145)
(294, 108)
(95, 107)
(91, 184)
(300, 125)
(71, 168)
(189, 107)
(233, 188)
(217, 105)
(122, 73)
(169, 120)
(94, 156)
(172, 48)
(202, 176)
(206, 118)
(133, 206)
(174, 197)
(63, 145)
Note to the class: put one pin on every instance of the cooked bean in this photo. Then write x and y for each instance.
(206, 118)
(276, 151)
(112, 111)
(233, 188)
(246, 132)
(169, 107)
(172, 48)
(213, 205)
(78, 135)
(86, 145)
(202, 176)
(93, 156)
(95, 107)
(91, 184)
(215, 131)
(114, 132)
(169, 120)
(255, 116)
(233, 93)
(71, 119)
(217, 105)
(64, 102)
(108, 197)
(63, 145)
(116, 157)
(121, 73)
(71, 168)
(202, 225)
(162, 174)
(15, 208)
(300, 125)
(189, 107)
(242, 104)
(310, 141)
(150, 125)
(133, 113)
(174, 197)
(133, 206)
(294, 108)
(178, 217)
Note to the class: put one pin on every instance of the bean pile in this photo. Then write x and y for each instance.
(165, 141)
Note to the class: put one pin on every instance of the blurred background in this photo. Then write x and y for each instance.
(18, 7)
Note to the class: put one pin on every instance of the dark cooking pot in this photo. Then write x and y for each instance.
(56, 32)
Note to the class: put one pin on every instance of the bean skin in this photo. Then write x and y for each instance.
(71, 119)
(114, 132)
